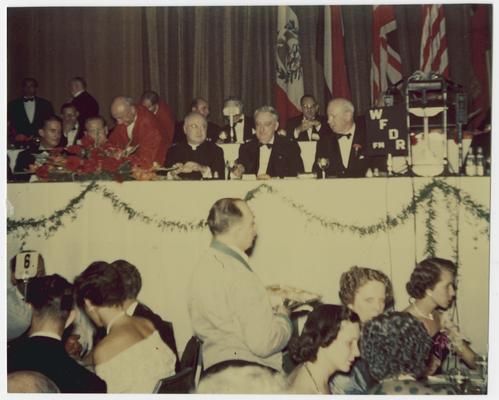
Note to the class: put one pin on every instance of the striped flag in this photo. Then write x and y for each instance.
(386, 66)
(434, 41)
(289, 70)
(331, 52)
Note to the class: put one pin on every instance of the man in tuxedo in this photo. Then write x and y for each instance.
(268, 154)
(27, 114)
(137, 126)
(243, 128)
(309, 126)
(50, 138)
(197, 157)
(72, 131)
(84, 102)
(132, 282)
(51, 299)
(344, 146)
(201, 106)
(96, 128)
(163, 113)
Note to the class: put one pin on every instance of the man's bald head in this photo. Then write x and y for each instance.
(123, 110)
(30, 382)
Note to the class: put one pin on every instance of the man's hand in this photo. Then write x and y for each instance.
(73, 346)
(237, 170)
(263, 177)
(191, 166)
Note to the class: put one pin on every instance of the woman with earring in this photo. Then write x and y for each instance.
(432, 290)
(131, 358)
(327, 344)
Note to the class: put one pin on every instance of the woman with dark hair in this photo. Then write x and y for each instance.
(132, 357)
(396, 347)
(432, 289)
(327, 344)
(367, 292)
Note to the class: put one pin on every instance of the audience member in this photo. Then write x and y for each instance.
(243, 126)
(72, 131)
(163, 113)
(51, 299)
(228, 305)
(132, 357)
(96, 128)
(345, 146)
(249, 379)
(83, 101)
(308, 126)
(30, 382)
(18, 310)
(396, 347)
(201, 106)
(196, 158)
(269, 154)
(132, 283)
(327, 344)
(28, 113)
(137, 126)
(50, 138)
(367, 292)
(432, 290)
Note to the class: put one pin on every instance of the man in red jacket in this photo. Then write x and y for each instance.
(163, 113)
(136, 125)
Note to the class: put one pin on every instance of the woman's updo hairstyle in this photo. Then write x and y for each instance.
(427, 274)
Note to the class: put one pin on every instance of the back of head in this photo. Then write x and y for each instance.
(243, 380)
(30, 382)
(150, 95)
(356, 277)
(426, 275)
(267, 109)
(51, 297)
(320, 330)
(101, 284)
(79, 81)
(395, 343)
(130, 275)
(224, 214)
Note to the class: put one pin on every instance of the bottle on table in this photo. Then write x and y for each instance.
(480, 162)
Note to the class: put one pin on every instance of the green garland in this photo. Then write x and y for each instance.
(425, 197)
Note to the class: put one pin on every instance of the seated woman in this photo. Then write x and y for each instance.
(132, 357)
(367, 292)
(396, 347)
(328, 343)
(432, 289)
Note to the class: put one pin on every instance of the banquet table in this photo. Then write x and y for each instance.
(309, 233)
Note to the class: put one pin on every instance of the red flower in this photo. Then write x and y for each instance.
(43, 172)
(96, 155)
(21, 138)
(118, 178)
(110, 164)
(73, 163)
(89, 166)
(414, 139)
(87, 141)
(75, 149)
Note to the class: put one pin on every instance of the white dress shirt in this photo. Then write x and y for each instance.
(264, 158)
(129, 128)
(29, 108)
(71, 135)
(346, 146)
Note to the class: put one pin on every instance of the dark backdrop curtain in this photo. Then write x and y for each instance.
(215, 52)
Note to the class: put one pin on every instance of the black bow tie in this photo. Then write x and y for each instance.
(343, 135)
(28, 99)
(269, 145)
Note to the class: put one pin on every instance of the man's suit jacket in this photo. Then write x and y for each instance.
(167, 122)
(212, 131)
(146, 134)
(19, 120)
(285, 158)
(207, 153)
(248, 131)
(164, 328)
(293, 123)
(79, 135)
(86, 105)
(328, 147)
(48, 356)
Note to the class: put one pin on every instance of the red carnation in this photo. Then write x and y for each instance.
(414, 139)
(87, 141)
(73, 163)
(110, 164)
(89, 166)
(75, 149)
(43, 172)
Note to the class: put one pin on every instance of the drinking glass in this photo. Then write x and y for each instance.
(323, 164)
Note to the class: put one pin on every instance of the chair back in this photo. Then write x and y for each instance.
(178, 383)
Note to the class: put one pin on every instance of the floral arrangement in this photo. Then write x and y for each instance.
(86, 161)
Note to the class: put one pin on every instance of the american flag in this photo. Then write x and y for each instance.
(386, 66)
(434, 41)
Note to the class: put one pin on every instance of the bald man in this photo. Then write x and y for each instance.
(345, 145)
(137, 126)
